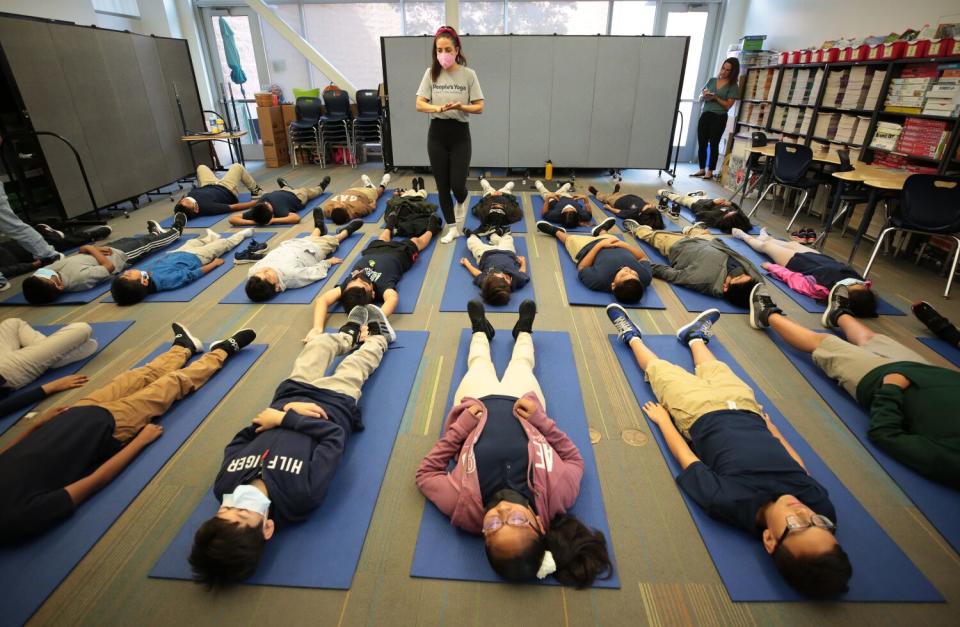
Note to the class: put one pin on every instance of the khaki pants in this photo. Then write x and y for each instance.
(686, 200)
(236, 174)
(352, 372)
(476, 246)
(210, 245)
(481, 378)
(663, 241)
(25, 353)
(575, 243)
(611, 198)
(412, 193)
(326, 244)
(849, 363)
(305, 194)
(712, 387)
(135, 398)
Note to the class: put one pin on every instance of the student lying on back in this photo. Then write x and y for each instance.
(281, 206)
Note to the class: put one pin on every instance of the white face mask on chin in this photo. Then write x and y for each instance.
(249, 498)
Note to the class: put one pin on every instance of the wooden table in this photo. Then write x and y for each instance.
(232, 138)
(769, 151)
(879, 180)
(860, 173)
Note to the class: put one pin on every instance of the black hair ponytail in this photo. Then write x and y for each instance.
(579, 552)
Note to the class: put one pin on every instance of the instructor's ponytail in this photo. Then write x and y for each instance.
(579, 552)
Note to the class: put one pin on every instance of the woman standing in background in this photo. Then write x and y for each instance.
(449, 92)
(718, 96)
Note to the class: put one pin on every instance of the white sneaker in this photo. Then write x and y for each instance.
(453, 232)
(385, 180)
(246, 233)
(366, 181)
(508, 188)
(211, 235)
(540, 188)
(563, 189)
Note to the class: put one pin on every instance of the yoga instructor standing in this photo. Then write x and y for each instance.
(718, 96)
(449, 92)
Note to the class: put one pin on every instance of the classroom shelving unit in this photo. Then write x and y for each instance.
(808, 103)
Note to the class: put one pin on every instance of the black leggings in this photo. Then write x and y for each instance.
(449, 148)
(709, 131)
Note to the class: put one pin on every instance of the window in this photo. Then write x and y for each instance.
(563, 18)
(633, 18)
(348, 35)
(694, 24)
(423, 18)
(481, 18)
(288, 68)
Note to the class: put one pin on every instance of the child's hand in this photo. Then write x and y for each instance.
(656, 412)
(218, 262)
(464, 262)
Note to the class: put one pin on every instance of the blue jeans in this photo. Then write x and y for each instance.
(14, 228)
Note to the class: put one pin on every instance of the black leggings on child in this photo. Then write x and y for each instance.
(449, 148)
(709, 132)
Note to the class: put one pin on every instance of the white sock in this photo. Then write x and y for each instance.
(486, 187)
(385, 180)
(695, 339)
(540, 187)
(246, 233)
(564, 188)
(366, 181)
(506, 189)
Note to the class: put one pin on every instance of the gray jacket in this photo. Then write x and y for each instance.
(701, 264)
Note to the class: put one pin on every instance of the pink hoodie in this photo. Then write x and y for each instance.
(556, 462)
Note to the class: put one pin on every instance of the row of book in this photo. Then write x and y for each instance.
(842, 128)
(943, 97)
(792, 120)
(755, 113)
(854, 88)
(800, 86)
(915, 138)
(759, 84)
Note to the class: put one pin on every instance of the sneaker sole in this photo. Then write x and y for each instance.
(754, 315)
(235, 260)
(198, 345)
(710, 313)
(825, 317)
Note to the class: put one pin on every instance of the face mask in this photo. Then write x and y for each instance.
(508, 495)
(446, 59)
(847, 282)
(249, 498)
(46, 273)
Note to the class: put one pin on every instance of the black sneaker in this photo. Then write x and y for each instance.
(50, 232)
(351, 227)
(593, 190)
(604, 226)
(528, 311)
(761, 307)
(423, 185)
(838, 303)
(233, 344)
(282, 182)
(98, 233)
(357, 317)
(631, 226)
(700, 328)
(391, 220)
(319, 221)
(324, 183)
(248, 255)
(478, 319)
(616, 188)
(550, 229)
(153, 227)
(183, 337)
(939, 325)
(258, 191)
(434, 225)
(179, 221)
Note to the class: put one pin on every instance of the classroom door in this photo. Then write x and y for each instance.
(235, 99)
(697, 21)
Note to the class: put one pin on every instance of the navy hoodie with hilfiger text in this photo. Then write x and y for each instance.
(296, 460)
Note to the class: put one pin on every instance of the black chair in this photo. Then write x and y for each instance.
(791, 162)
(755, 164)
(305, 130)
(335, 125)
(929, 205)
(854, 194)
(368, 123)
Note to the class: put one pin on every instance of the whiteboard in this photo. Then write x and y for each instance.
(580, 101)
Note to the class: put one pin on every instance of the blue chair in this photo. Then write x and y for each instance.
(929, 205)
(791, 162)
(305, 130)
(335, 125)
(368, 123)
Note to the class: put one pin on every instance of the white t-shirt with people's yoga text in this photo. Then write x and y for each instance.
(459, 85)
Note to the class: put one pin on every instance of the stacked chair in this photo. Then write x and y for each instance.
(368, 124)
(304, 132)
(335, 125)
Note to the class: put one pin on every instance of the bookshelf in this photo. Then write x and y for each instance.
(843, 105)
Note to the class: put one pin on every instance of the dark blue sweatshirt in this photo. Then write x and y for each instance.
(297, 460)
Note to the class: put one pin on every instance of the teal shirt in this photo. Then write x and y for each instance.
(730, 90)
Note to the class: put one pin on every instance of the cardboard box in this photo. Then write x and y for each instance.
(289, 114)
(272, 129)
(276, 156)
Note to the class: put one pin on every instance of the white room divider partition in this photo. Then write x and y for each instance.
(579, 101)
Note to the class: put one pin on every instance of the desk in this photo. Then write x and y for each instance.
(860, 173)
(232, 139)
(878, 180)
(769, 151)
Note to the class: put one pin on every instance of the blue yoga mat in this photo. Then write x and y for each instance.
(410, 283)
(691, 299)
(668, 224)
(301, 296)
(31, 571)
(689, 216)
(881, 571)
(579, 294)
(445, 552)
(303, 213)
(472, 222)
(205, 222)
(950, 353)
(103, 332)
(381, 207)
(95, 292)
(940, 504)
(808, 304)
(536, 201)
(324, 550)
(460, 289)
(189, 291)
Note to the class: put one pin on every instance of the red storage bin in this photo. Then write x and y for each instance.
(916, 49)
(829, 55)
(938, 47)
(784, 58)
(846, 54)
(795, 56)
(806, 56)
(953, 47)
(892, 50)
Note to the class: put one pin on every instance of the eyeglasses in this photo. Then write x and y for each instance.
(795, 523)
(514, 519)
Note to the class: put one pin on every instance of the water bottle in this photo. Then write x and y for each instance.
(548, 170)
